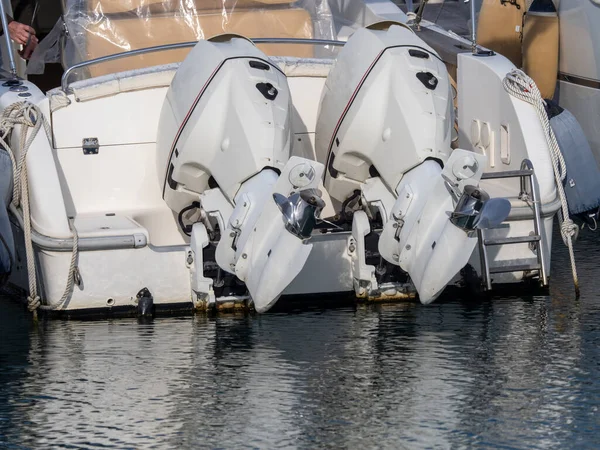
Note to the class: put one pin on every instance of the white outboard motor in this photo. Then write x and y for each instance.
(384, 128)
(386, 107)
(224, 146)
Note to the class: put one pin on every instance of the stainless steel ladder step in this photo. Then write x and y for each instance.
(506, 174)
(511, 240)
(526, 173)
(515, 268)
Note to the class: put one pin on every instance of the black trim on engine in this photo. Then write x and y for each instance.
(428, 79)
(274, 169)
(418, 54)
(212, 183)
(373, 172)
(258, 65)
(267, 90)
(170, 180)
(187, 229)
(332, 171)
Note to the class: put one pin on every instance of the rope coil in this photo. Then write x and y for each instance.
(31, 119)
(521, 86)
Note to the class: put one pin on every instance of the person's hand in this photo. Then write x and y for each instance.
(28, 49)
(21, 33)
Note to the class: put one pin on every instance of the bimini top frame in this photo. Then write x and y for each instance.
(65, 78)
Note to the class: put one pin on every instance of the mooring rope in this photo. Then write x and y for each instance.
(31, 118)
(521, 86)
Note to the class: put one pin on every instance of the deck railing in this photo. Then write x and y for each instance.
(65, 78)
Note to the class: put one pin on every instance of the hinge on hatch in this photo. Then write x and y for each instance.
(90, 146)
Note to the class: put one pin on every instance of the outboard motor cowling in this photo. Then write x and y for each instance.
(226, 116)
(384, 129)
(224, 148)
(386, 107)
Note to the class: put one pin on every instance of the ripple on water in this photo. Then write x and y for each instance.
(513, 372)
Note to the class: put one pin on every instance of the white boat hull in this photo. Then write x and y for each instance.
(112, 278)
(130, 237)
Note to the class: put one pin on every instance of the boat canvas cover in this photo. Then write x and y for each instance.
(97, 28)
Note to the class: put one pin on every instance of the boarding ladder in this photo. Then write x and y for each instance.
(525, 174)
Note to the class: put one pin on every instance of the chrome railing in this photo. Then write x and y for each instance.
(65, 78)
(9, 47)
(473, 26)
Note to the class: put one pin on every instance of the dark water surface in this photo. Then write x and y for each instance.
(508, 373)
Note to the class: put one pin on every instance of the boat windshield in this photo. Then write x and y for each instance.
(91, 29)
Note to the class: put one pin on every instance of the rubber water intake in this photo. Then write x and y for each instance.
(475, 209)
(300, 211)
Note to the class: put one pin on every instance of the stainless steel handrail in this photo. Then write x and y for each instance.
(90, 243)
(526, 164)
(473, 26)
(9, 47)
(65, 78)
(298, 41)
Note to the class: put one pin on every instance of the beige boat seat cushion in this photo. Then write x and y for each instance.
(109, 36)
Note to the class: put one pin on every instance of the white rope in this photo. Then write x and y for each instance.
(58, 100)
(521, 86)
(31, 118)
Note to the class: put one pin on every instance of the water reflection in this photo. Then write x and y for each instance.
(515, 372)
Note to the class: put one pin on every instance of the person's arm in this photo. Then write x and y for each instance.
(19, 32)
